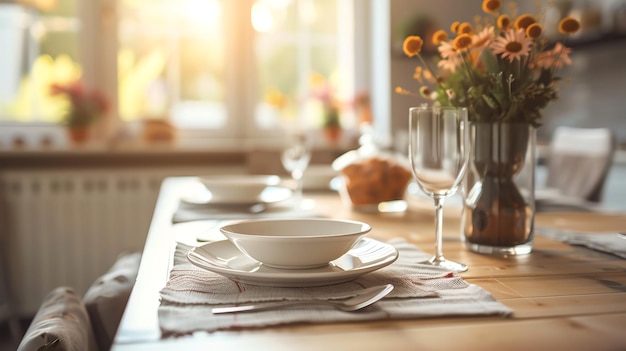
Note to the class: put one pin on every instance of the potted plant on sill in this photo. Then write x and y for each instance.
(330, 108)
(504, 72)
(331, 124)
(84, 108)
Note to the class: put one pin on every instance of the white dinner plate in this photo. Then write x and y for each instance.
(224, 258)
(269, 195)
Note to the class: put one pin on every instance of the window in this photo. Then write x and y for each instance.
(171, 61)
(40, 46)
(210, 66)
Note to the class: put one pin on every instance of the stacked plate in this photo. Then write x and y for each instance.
(294, 252)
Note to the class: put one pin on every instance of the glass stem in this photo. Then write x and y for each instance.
(297, 176)
(439, 229)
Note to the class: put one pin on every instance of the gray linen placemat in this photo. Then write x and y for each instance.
(420, 292)
(612, 243)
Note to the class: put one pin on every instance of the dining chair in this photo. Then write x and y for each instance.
(61, 323)
(68, 321)
(106, 298)
(579, 160)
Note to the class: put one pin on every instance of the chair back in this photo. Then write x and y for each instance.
(579, 160)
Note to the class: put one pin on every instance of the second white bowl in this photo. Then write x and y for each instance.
(238, 187)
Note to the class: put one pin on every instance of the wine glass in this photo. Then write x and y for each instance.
(438, 156)
(295, 159)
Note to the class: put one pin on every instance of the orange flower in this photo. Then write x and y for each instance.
(465, 28)
(462, 42)
(440, 36)
(534, 30)
(491, 6)
(417, 75)
(523, 21)
(412, 45)
(569, 25)
(454, 27)
(503, 22)
(402, 91)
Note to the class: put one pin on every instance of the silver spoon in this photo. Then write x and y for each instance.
(362, 299)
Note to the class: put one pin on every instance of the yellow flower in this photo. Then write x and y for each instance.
(412, 45)
(275, 98)
(440, 36)
(569, 25)
(491, 6)
(402, 91)
(317, 79)
(462, 42)
(503, 22)
(465, 28)
(523, 21)
(534, 30)
(417, 75)
(454, 27)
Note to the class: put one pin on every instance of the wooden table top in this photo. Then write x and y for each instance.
(562, 295)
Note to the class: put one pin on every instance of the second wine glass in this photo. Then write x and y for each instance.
(438, 157)
(295, 159)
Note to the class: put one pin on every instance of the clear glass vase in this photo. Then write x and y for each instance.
(499, 187)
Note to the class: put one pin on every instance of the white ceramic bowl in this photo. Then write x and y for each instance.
(238, 188)
(295, 243)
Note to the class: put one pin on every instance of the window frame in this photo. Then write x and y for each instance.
(98, 49)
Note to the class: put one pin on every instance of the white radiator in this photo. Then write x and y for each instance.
(67, 227)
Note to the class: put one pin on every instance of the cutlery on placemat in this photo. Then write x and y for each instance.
(362, 299)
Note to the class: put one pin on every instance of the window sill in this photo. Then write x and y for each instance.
(144, 155)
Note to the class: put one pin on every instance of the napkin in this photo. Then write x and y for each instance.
(420, 291)
(613, 243)
(192, 212)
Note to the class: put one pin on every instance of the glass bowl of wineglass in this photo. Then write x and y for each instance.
(295, 158)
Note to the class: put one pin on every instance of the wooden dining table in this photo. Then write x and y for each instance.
(563, 297)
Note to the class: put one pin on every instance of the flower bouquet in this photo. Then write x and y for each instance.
(504, 71)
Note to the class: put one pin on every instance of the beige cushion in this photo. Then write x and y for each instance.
(61, 323)
(107, 297)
